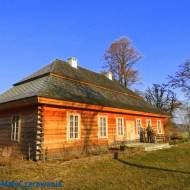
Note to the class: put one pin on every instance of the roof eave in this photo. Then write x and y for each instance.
(99, 108)
(30, 101)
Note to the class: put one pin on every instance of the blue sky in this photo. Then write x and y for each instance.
(35, 32)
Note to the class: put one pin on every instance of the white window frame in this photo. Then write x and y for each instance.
(15, 135)
(69, 138)
(99, 126)
(148, 121)
(122, 127)
(159, 131)
(137, 127)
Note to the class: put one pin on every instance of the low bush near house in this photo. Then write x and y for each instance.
(176, 136)
(177, 141)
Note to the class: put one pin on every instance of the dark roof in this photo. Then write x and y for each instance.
(59, 80)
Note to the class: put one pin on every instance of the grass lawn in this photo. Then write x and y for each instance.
(164, 170)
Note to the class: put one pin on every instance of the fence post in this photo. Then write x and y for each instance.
(116, 155)
(29, 151)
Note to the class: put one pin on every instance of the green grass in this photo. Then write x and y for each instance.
(167, 169)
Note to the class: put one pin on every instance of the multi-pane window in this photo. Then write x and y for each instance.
(159, 128)
(74, 126)
(15, 128)
(103, 126)
(120, 126)
(138, 126)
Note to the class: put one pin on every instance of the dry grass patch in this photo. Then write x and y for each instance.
(164, 169)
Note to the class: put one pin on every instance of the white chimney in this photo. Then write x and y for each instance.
(72, 62)
(109, 75)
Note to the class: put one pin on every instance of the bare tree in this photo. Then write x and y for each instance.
(162, 98)
(184, 116)
(120, 59)
(181, 78)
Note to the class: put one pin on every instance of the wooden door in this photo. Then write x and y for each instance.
(130, 128)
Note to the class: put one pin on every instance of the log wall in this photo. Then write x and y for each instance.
(44, 130)
(28, 120)
(55, 130)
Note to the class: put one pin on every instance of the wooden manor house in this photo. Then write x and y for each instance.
(64, 109)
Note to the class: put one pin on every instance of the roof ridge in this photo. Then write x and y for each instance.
(37, 74)
(57, 67)
(93, 84)
(31, 79)
(92, 88)
(114, 81)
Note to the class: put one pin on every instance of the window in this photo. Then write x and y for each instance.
(159, 128)
(15, 128)
(103, 127)
(138, 126)
(149, 123)
(74, 122)
(120, 126)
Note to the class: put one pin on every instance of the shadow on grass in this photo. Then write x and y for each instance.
(151, 167)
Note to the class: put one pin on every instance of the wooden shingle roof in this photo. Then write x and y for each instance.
(59, 80)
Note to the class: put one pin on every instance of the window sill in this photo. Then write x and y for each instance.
(74, 139)
(102, 137)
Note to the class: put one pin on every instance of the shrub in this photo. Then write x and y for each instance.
(177, 141)
(176, 136)
(123, 147)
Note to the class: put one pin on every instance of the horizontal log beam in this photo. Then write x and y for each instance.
(69, 104)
